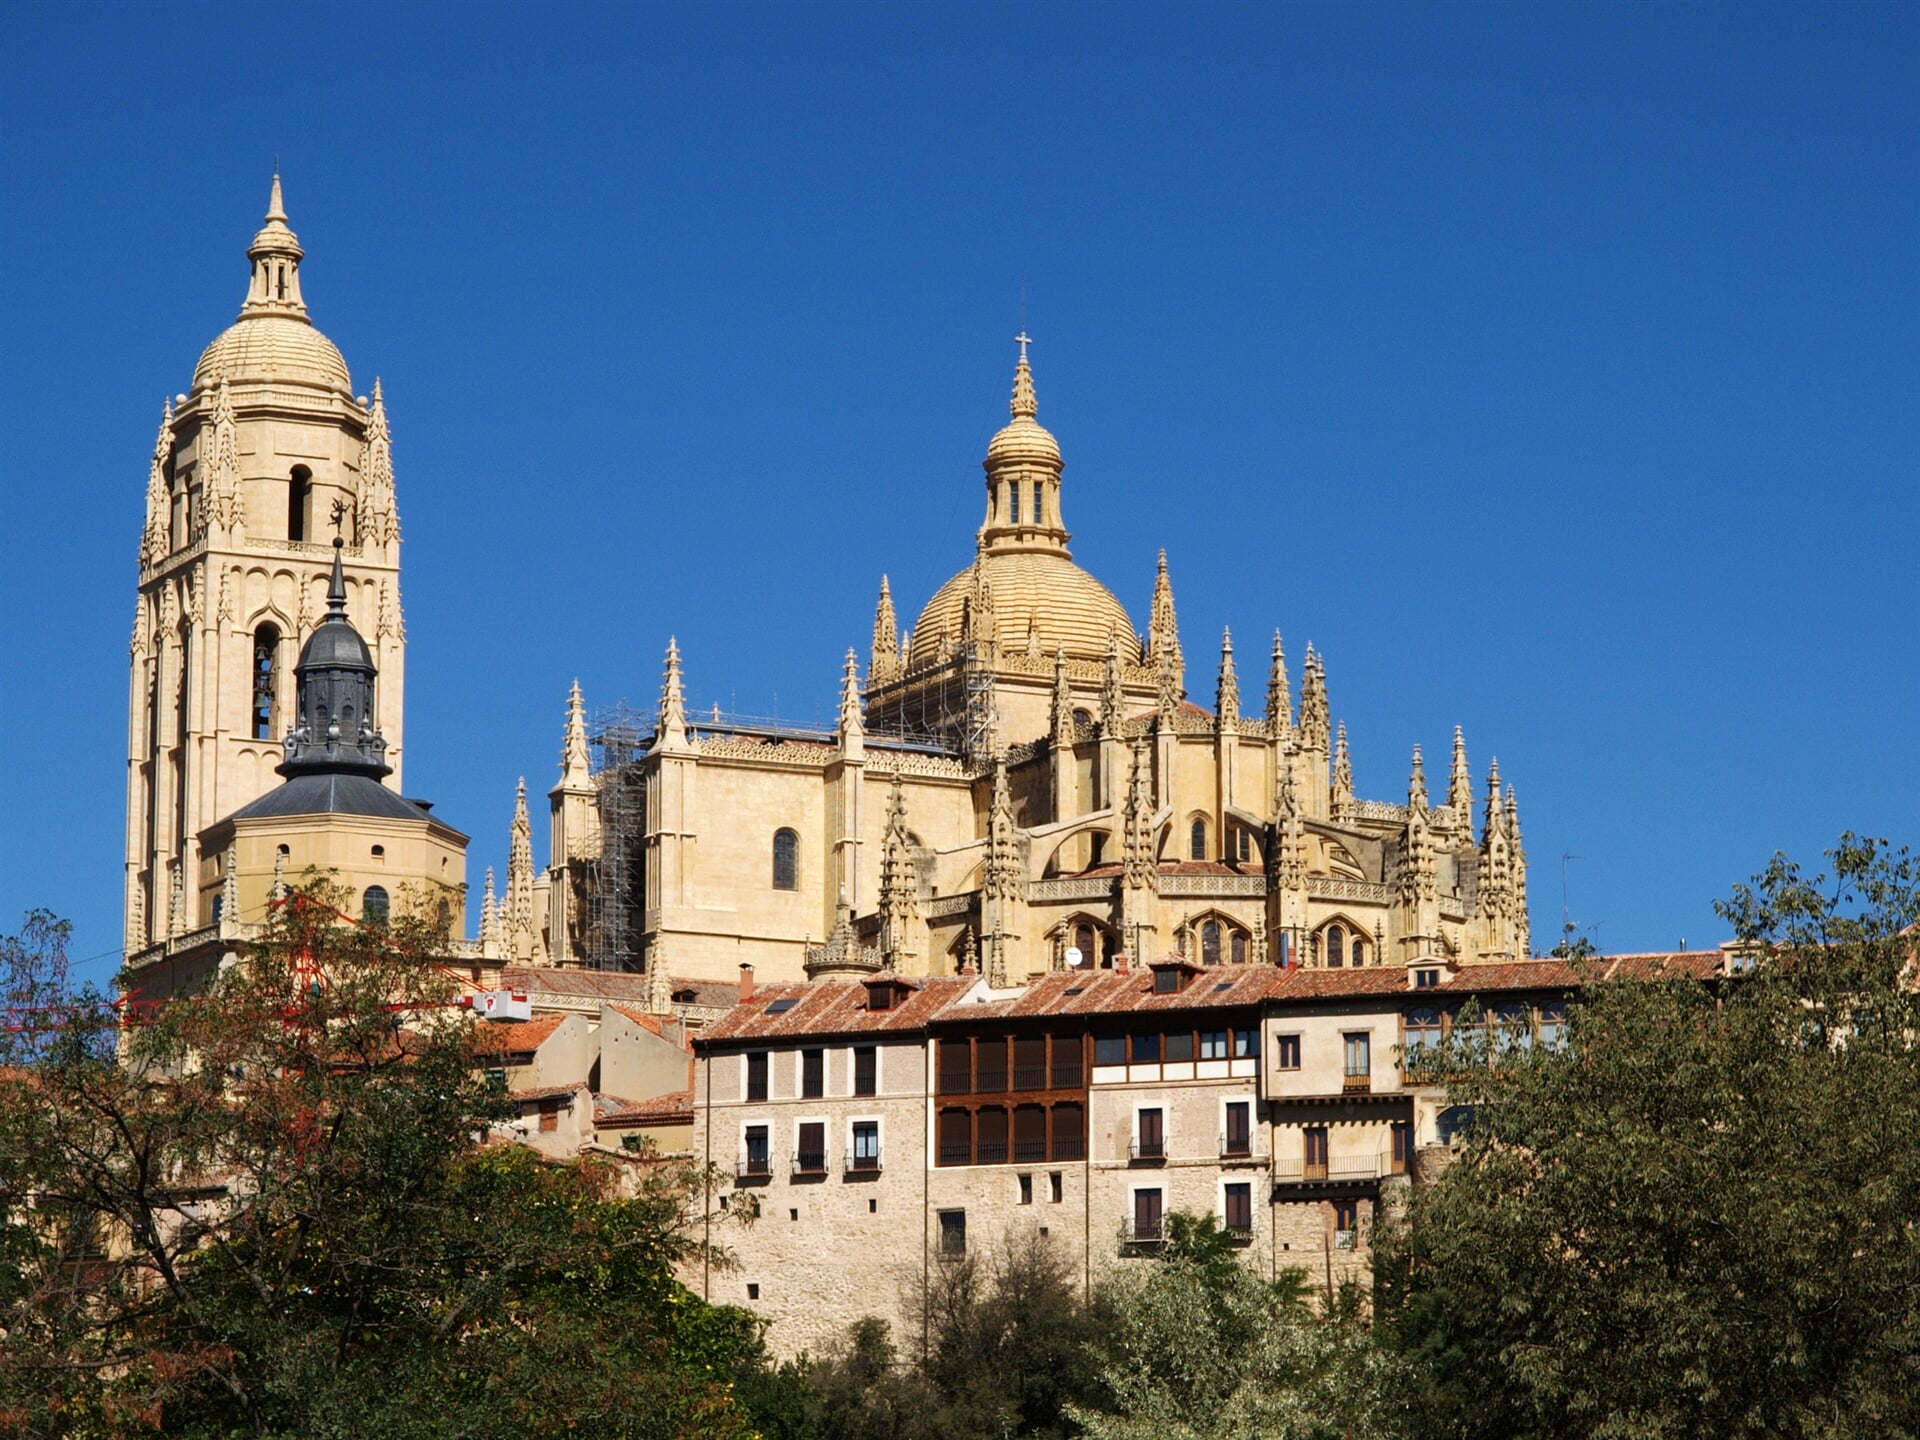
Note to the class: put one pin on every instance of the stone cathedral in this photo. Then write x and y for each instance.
(1019, 783)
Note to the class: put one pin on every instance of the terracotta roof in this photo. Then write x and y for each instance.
(549, 1092)
(612, 1110)
(610, 985)
(513, 1037)
(1107, 992)
(832, 1007)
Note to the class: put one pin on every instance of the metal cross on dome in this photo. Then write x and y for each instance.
(1023, 340)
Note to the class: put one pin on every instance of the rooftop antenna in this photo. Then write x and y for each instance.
(1566, 922)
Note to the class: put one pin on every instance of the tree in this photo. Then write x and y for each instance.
(1204, 1349)
(1698, 1218)
(268, 1215)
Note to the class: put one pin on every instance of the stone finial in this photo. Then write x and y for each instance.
(1001, 877)
(969, 953)
(155, 538)
(576, 766)
(492, 943)
(670, 733)
(1137, 859)
(1163, 630)
(1342, 777)
(884, 667)
(376, 516)
(1113, 703)
(899, 886)
(220, 501)
(1314, 714)
(230, 887)
(1062, 717)
(1279, 692)
(1417, 784)
(275, 253)
(1226, 701)
(1460, 781)
(1491, 816)
(519, 905)
(850, 722)
(1025, 403)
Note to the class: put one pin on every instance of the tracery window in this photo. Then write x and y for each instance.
(1359, 951)
(266, 665)
(1336, 946)
(1239, 947)
(786, 860)
(1210, 943)
(1197, 839)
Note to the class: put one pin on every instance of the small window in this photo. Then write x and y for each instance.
(990, 1136)
(757, 1075)
(1030, 1062)
(550, 1114)
(1029, 1134)
(1237, 1208)
(1553, 1025)
(1239, 947)
(780, 1007)
(1336, 946)
(753, 1290)
(1083, 942)
(1313, 1146)
(1026, 1189)
(953, 1232)
(1210, 943)
(756, 1160)
(813, 1074)
(990, 1065)
(1146, 1049)
(1147, 1216)
(786, 860)
(1289, 1052)
(1166, 981)
(1359, 953)
(1177, 1045)
(1238, 1139)
(1346, 1223)
(1423, 1035)
(810, 1148)
(299, 492)
(373, 905)
(1426, 979)
(865, 1070)
(866, 1145)
(379, 852)
(1242, 844)
(1213, 1044)
(1066, 1062)
(1197, 840)
(1150, 1135)
(1013, 503)
(1246, 1044)
(956, 1067)
(1402, 1145)
(266, 671)
(1359, 1054)
(1054, 1186)
(1109, 1049)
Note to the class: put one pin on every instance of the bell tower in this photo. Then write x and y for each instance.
(258, 468)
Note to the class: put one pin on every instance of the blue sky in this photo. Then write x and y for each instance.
(1552, 368)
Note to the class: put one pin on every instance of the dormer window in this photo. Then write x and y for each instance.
(885, 994)
(1172, 977)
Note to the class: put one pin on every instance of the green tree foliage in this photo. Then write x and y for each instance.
(267, 1215)
(1203, 1349)
(1698, 1219)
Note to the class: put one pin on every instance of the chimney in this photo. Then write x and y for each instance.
(746, 982)
(1119, 962)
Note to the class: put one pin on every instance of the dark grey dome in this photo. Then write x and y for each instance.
(335, 644)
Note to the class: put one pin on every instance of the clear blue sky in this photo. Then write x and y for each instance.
(1552, 368)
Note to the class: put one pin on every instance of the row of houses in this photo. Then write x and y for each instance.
(865, 1130)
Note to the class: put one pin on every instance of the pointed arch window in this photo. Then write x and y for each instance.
(1239, 947)
(1210, 943)
(1336, 946)
(266, 679)
(1197, 839)
(299, 492)
(1359, 952)
(786, 860)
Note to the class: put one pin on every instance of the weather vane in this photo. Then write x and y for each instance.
(339, 514)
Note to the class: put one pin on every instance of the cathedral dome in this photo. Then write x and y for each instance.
(1040, 589)
(1024, 439)
(273, 348)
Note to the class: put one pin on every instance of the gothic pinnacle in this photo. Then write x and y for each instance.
(886, 639)
(1417, 783)
(1460, 781)
(1279, 693)
(671, 731)
(276, 207)
(1112, 698)
(1227, 690)
(850, 695)
(574, 760)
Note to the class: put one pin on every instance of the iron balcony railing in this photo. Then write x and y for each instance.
(1360, 1084)
(754, 1167)
(1236, 1146)
(1154, 1148)
(1029, 1077)
(858, 1162)
(1141, 1231)
(810, 1162)
(1334, 1170)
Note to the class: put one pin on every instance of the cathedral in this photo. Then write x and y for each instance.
(1020, 783)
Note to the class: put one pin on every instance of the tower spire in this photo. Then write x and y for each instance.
(1279, 693)
(276, 254)
(850, 723)
(520, 876)
(671, 731)
(1342, 777)
(884, 667)
(575, 765)
(1023, 474)
(1227, 691)
(1460, 783)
